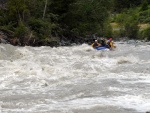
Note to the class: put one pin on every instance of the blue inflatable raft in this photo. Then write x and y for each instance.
(100, 48)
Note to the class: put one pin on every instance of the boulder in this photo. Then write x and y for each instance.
(3, 38)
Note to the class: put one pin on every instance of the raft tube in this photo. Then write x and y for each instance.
(101, 48)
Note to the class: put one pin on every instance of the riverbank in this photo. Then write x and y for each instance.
(7, 37)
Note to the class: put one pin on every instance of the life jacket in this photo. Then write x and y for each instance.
(110, 44)
(95, 44)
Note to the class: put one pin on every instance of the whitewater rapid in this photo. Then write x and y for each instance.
(75, 79)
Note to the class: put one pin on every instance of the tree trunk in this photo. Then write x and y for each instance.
(45, 9)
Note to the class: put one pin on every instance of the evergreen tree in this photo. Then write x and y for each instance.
(144, 5)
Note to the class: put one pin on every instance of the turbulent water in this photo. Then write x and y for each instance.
(75, 79)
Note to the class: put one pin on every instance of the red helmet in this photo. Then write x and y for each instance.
(110, 39)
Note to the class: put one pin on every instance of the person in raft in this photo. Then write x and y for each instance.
(96, 44)
(103, 42)
(110, 44)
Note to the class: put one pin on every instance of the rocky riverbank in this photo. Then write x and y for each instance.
(7, 37)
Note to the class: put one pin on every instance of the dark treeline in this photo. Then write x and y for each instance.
(48, 22)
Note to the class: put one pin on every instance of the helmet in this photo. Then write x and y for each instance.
(95, 40)
(110, 39)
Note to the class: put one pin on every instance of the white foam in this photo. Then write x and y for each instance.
(119, 89)
(136, 102)
(32, 70)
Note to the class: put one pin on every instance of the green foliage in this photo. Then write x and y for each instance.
(120, 18)
(7, 27)
(89, 16)
(17, 9)
(131, 29)
(128, 21)
(73, 17)
(122, 5)
(144, 5)
(108, 31)
(131, 25)
(147, 20)
(21, 31)
(42, 28)
(145, 34)
(144, 16)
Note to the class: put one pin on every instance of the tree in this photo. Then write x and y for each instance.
(120, 5)
(45, 9)
(84, 16)
(18, 9)
(144, 5)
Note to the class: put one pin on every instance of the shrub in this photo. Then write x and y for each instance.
(21, 30)
(41, 28)
(145, 34)
(147, 20)
(144, 5)
(131, 29)
(144, 16)
(107, 30)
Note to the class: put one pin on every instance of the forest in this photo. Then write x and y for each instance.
(49, 22)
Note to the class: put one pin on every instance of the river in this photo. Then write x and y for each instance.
(75, 79)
